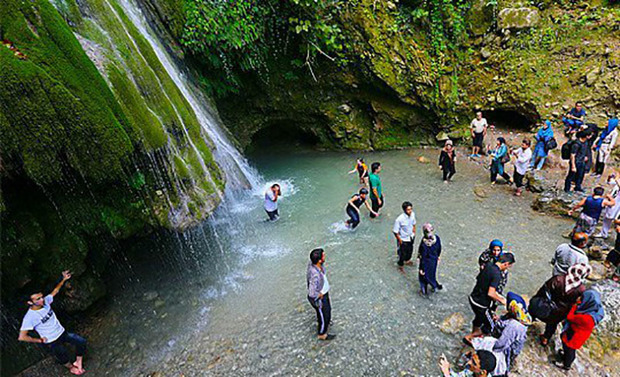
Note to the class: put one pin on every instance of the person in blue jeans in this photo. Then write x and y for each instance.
(574, 119)
(42, 319)
(353, 208)
(577, 163)
(544, 134)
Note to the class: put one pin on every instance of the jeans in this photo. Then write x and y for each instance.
(273, 215)
(354, 220)
(60, 352)
(323, 310)
(541, 163)
(576, 177)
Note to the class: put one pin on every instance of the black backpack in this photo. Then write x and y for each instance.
(551, 144)
(566, 149)
(542, 307)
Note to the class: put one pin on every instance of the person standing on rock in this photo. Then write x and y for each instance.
(604, 145)
(447, 161)
(429, 253)
(577, 163)
(592, 208)
(574, 119)
(485, 293)
(376, 190)
(271, 201)
(499, 156)
(42, 319)
(541, 151)
(353, 208)
(562, 291)
(568, 255)
(318, 292)
(404, 230)
(478, 132)
(362, 170)
(581, 321)
(610, 213)
(523, 157)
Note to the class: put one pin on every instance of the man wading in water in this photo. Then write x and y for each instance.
(318, 292)
(42, 319)
(376, 190)
(404, 231)
(353, 208)
(271, 202)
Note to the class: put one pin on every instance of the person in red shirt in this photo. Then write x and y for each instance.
(581, 320)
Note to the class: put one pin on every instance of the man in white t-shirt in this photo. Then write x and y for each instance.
(404, 231)
(271, 201)
(523, 157)
(42, 319)
(478, 132)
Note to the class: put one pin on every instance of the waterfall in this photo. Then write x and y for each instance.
(238, 172)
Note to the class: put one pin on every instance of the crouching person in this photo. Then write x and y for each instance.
(479, 364)
(42, 319)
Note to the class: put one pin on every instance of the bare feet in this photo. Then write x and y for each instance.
(544, 341)
(75, 370)
(409, 263)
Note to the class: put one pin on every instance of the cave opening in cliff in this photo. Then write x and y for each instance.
(283, 135)
(508, 120)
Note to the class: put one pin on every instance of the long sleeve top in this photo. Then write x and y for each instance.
(563, 300)
(314, 280)
(512, 340)
(579, 329)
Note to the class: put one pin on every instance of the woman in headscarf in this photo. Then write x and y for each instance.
(604, 144)
(499, 156)
(513, 328)
(544, 134)
(491, 255)
(447, 161)
(563, 290)
(581, 320)
(429, 254)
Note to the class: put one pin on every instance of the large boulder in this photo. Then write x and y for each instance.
(536, 182)
(453, 323)
(518, 18)
(555, 202)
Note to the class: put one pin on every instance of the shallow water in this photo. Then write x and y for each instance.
(231, 296)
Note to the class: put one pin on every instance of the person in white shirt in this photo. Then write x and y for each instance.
(271, 201)
(523, 157)
(42, 319)
(478, 133)
(404, 231)
(604, 144)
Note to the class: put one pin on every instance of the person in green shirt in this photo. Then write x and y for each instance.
(376, 190)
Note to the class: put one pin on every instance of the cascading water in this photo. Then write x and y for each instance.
(238, 171)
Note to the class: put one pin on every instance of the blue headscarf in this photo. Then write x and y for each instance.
(591, 304)
(611, 126)
(545, 134)
(496, 243)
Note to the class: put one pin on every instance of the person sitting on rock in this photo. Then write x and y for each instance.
(581, 321)
(543, 136)
(512, 329)
(574, 119)
(479, 364)
(592, 208)
(567, 255)
(42, 319)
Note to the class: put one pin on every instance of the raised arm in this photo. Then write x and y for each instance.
(66, 275)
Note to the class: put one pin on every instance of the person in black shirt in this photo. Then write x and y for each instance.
(353, 208)
(577, 163)
(485, 293)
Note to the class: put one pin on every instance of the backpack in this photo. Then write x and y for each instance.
(566, 149)
(551, 144)
(542, 307)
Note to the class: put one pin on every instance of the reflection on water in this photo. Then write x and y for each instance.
(229, 298)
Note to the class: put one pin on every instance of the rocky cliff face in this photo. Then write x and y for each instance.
(98, 144)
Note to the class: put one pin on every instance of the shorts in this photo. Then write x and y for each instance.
(273, 215)
(478, 139)
(483, 318)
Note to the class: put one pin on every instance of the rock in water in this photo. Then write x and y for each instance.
(518, 18)
(150, 296)
(453, 323)
(423, 160)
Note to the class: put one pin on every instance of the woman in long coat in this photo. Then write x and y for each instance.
(429, 254)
